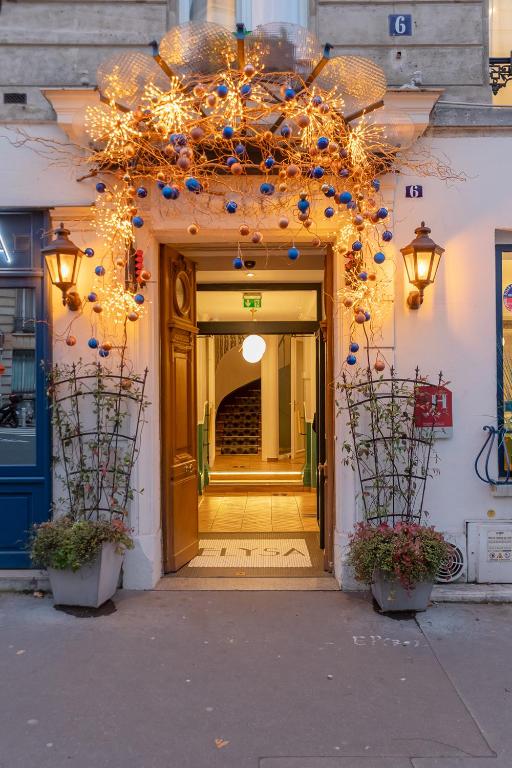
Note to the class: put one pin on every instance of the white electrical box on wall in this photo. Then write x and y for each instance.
(490, 552)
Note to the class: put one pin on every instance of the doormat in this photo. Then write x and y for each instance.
(257, 554)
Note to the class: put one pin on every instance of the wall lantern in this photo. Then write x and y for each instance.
(421, 257)
(253, 348)
(63, 259)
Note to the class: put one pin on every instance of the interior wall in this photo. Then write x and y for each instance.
(232, 372)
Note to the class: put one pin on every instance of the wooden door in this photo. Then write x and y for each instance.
(179, 409)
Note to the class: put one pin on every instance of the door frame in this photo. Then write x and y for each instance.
(324, 323)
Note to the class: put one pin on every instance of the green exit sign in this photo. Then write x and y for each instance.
(252, 302)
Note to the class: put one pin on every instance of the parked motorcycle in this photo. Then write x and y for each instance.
(8, 412)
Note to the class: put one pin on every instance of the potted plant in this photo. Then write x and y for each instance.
(97, 415)
(83, 558)
(399, 563)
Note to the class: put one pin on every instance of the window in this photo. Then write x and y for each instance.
(504, 348)
(500, 41)
(16, 238)
(17, 376)
(250, 12)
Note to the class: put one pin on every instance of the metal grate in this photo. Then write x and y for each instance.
(15, 98)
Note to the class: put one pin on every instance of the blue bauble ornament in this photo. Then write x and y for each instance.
(330, 192)
(323, 142)
(239, 149)
(289, 94)
(178, 138)
(104, 353)
(89, 252)
(231, 161)
(92, 296)
(93, 343)
(379, 257)
(160, 184)
(269, 162)
(352, 205)
(382, 213)
(318, 172)
(357, 245)
(193, 185)
(293, 253)
(100, 187)
(238, 262)
(316, 101)
(227, 132)
(329, 212)
(303, 206)
(387, 236)
(138, 298)
(142, 192)
(345, 197)
(170, 192)
(286, 131)
(245, 90)
(343, 153)
(354, 347)
(363, 276)
(138, 221)
(376, 184)
(222, 90)
(231, 206)
(99, 270)
(367, 315)
(267, 188)
(351, 359)
(344, 173)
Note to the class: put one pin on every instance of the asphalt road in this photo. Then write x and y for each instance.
(254, 680)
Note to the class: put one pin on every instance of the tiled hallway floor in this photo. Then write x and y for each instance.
(255, 512)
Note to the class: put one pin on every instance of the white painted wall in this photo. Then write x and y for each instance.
(454, 330)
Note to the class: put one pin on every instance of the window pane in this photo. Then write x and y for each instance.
(16, 241)
(17, 376)
(219, 11)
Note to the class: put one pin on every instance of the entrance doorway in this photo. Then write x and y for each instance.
(259, 431)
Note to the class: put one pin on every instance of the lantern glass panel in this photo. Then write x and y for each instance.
(409, 266)
(435, 265)
(423, 266)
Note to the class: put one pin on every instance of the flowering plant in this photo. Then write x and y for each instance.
(408, 552)
(67, 543)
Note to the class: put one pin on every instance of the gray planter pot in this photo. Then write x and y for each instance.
(391, 596)
(91, 585)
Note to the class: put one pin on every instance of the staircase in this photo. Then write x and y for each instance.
(238, 424)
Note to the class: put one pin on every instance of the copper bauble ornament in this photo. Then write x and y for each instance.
(107, 346)
(97, 308)
(347, 302)
(192, 229)
(211, 99)
(283, 222)
(303, 121)
(360, 318)
(379, 365)
(71, 341)
(308, 223)
(244, 230)
(145, 275)
(183, 163)
(237, 169)
(257, 237)
(132, 316)
(249, 69)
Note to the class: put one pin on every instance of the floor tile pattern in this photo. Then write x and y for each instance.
(241, 553)
(255, 512)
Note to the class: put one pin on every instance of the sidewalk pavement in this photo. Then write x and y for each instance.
(254, 680)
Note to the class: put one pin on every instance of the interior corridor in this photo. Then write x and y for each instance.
(255, 511)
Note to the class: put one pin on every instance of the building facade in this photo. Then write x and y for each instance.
(436, 59)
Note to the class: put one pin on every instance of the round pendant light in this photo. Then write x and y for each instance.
(253, 348)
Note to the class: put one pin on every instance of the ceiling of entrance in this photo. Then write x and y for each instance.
(214, 263)
(228, 306)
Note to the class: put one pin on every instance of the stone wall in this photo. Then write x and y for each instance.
(448, 44)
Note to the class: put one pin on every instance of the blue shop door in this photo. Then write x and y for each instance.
(25, 484)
